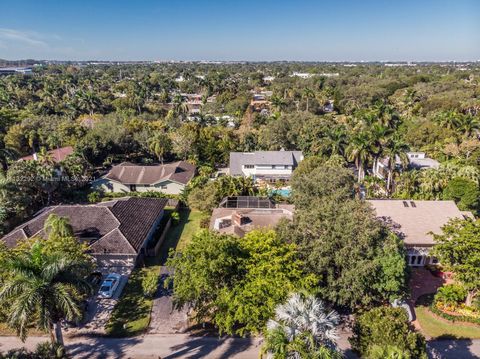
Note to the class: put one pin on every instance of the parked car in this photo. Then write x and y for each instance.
(109, 285)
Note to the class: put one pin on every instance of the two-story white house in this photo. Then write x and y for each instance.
(270, 166)
(416, 160)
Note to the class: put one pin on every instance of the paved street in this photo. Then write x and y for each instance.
(163, 346)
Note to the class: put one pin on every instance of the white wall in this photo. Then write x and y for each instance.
(112, 186)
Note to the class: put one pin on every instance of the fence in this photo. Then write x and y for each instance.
(153, 252)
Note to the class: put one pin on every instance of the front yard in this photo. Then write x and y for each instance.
(436, 327)
(131, 315)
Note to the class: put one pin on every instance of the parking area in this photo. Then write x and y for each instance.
(99, 309)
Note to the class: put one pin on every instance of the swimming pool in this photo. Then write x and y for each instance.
(285, 192)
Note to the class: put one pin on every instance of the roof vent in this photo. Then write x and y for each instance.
(413, 204)
(405, 204)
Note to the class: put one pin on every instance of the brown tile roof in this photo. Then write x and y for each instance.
(58, 154)
(128, 173)
(414, 222)
(258, 218)
(116, 227)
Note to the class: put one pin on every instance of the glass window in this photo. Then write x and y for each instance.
(133, 188)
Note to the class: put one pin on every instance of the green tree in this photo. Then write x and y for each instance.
(464, 192)
(43, 289)
(458, 249)
(160, 144)
(395, 148)
(236, 282)
(386, 330)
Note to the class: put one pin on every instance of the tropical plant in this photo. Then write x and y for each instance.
(302, 322)
(44, 289)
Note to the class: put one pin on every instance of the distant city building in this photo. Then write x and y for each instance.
(15, 70)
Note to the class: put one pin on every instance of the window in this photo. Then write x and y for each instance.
(405, 204)
(273, 167)
(248, 166)
(147, 185)
(133, 188)
(419, 259)
(413, 204)
(163, 186)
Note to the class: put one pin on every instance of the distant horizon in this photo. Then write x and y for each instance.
(241, 61)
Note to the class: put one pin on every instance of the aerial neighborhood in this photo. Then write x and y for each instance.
(216, 209)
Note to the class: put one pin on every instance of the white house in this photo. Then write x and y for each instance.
(265, 165)
(169, 178)
(416, 160)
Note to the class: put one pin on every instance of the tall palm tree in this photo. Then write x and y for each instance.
(468, 125)
(359, 151)
(302, 328)
(395, 149)
(43, 289)
(308, 94)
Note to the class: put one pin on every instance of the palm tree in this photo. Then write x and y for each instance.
(359, 151)
(308, 94)
(160, 144)
(302, 328)
(278, 103)
(43, 289)
(395, 149)
(468, 125)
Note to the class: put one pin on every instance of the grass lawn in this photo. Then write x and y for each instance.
(131, 315)
(435, 327)
(181, 234)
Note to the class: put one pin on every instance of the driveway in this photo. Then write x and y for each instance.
(164, 318)
(98, 312)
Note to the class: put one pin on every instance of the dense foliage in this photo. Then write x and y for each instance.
(355, 258)
(236, 283)
(458, 249)
(113, 113)
(384, 332)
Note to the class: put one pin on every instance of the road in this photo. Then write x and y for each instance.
(164, 346)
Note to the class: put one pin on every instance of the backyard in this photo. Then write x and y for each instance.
(131, 315)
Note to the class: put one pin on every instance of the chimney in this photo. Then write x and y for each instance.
(238, 219)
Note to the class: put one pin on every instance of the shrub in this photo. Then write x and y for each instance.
(386, 329)
(451, 295)
(94, 197)
(150, 284)
(205, 222)
(175, 218)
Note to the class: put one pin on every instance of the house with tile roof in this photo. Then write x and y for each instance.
(116, 232)
(415, 221)
(169, 178)
(240, 215)
(269, 166)
(58, 154)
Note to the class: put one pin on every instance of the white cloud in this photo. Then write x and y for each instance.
(30, 38)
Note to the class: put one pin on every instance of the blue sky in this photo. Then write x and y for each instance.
(335, 30)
